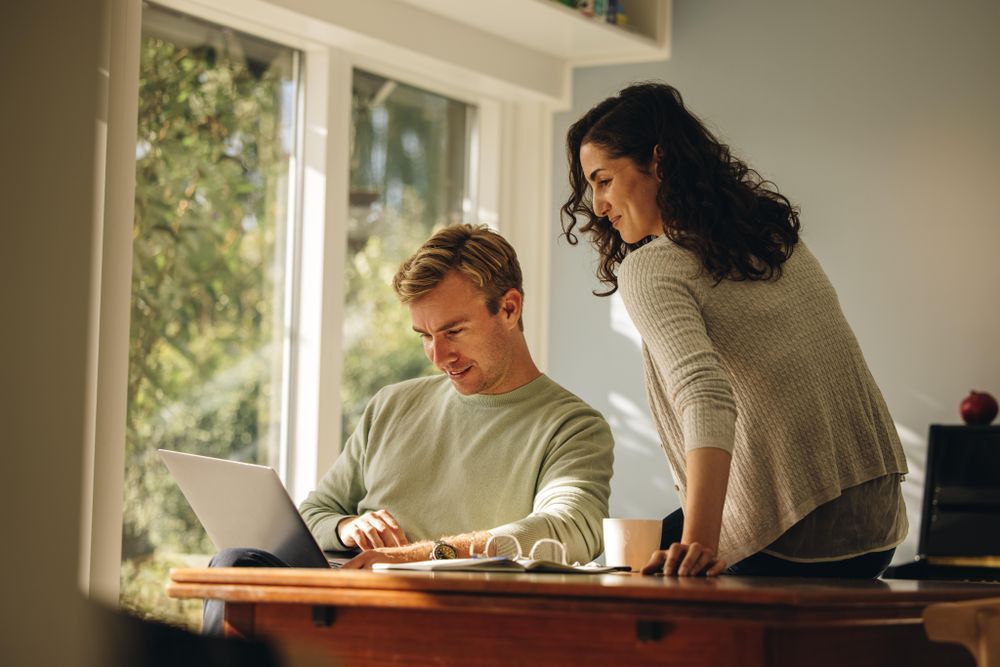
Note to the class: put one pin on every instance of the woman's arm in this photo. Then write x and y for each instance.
(663, 296)
(707, 479)
(696, 553)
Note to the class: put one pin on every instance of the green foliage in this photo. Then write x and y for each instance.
(212, 165)
(205, 289)
(380, 345)
(408, 151)
(143, 593)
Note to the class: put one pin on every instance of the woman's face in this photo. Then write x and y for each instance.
(623, 193)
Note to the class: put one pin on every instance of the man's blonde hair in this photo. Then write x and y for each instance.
(476, 251)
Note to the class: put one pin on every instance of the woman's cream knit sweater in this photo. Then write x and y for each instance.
(767, 370)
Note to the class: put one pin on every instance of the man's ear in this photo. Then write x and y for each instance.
(510, 306)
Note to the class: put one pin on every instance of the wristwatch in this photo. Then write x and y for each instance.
(443, 551)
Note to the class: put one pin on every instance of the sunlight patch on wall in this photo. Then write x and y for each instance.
(620, 321)
(915, 447)
(629, 418)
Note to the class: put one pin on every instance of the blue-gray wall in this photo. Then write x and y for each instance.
(882, 121)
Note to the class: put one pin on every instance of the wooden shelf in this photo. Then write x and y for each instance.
(556, 30)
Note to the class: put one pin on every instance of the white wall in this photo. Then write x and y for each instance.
(882, 121)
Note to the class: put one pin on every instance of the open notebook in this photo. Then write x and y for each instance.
(499, 564)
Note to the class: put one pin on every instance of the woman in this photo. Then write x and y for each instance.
(786, 459)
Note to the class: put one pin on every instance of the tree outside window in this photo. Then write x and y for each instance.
(410, 153)
(215, 145)
(215, 137)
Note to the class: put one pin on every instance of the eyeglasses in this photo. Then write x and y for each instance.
(556, 545)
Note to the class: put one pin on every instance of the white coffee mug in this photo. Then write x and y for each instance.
(631, 541)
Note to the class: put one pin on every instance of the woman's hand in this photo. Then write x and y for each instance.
(685, 560)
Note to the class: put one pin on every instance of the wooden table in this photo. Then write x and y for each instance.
(366, 618)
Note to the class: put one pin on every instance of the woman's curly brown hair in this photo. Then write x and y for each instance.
(711, 202)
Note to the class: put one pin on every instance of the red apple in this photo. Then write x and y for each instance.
(978, 408)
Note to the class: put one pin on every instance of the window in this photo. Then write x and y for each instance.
(410, 173)
(215, 160)
(214, 156)
(284, 169)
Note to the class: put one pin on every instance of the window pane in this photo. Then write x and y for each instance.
(409, 174)
(215, 140)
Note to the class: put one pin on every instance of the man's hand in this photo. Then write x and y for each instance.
(372, 530)
(408, 553)
(366, 559)
(685, 560)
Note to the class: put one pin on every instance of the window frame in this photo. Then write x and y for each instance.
(512, 190)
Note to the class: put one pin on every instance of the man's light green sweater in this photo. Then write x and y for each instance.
(534, 462)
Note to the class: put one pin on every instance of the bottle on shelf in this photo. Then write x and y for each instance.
(614, 13)
(600, 8)
(606, 11)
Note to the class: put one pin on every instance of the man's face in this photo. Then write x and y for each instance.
(462, 338)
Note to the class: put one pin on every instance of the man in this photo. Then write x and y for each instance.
(490, 448)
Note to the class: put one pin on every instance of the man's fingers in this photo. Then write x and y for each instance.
(400, 537)
(378, 524)
(359, 538)
(393, 532)
(365, 542)
(373, 530)
(364, 535)
(353, 564)
(390, 531)
(388, 518)
(387, 530)
(655, 564)
(345, 532)
(372, 534)
(362, 561)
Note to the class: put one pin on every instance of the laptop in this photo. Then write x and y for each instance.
(246, 505)
(960, 522)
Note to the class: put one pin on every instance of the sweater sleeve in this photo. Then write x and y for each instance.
(571, 499)
(341, 489)
(659, 291)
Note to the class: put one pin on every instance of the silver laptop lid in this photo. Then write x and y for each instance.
(244, 505)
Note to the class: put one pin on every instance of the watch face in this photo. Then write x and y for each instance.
(443, 551)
